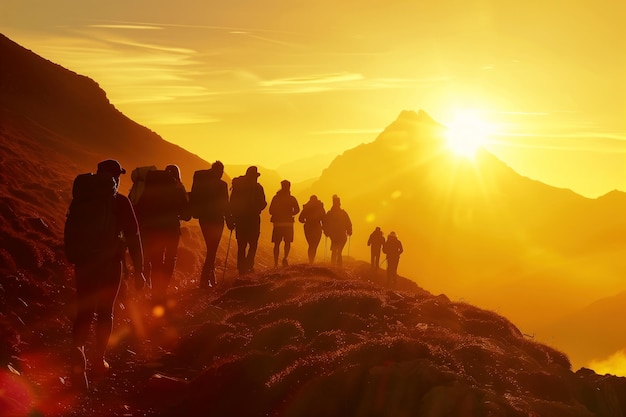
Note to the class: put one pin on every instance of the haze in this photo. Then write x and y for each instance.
(307, 79)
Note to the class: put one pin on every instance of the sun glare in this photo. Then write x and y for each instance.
(467, 133)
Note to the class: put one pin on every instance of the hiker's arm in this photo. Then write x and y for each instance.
(131, 232)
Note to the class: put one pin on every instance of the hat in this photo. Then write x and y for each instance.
(218, 165)
(285, 183)
(111, 166)
(252, 171)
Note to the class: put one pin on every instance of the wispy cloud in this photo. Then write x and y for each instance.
(183, 119)
(340, 81)
(129, 26)
(314, 79)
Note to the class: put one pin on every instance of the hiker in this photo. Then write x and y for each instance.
(283, 208)
(209, 203)
(338, 227)
(375, 242)
(247, 201)
(161, 207)
(312, 215)
(392, 248)
(97, 219)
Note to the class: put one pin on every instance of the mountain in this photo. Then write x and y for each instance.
(304, 169)
(72, 110)
(477, 230)
(295, 341)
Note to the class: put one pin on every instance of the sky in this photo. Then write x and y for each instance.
(270, 82)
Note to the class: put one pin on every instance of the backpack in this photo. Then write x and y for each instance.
(138, 176)
(202, 193)
(240, 197)
(162, 200)
(90, 226)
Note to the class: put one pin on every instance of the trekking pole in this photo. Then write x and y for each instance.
(227, 250)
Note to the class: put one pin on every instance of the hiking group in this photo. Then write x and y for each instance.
(102, 225)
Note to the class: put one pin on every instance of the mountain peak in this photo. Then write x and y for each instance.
(420, 117)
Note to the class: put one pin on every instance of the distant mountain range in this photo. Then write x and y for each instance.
(479, 231)
(476, 231)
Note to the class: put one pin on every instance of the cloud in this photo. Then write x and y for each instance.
(314, 79)
(130, 26)
(614, 364)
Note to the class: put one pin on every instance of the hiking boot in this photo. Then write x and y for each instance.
(285, 263)
(78, 371)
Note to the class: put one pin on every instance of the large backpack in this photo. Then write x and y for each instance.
(240, 197)
(162, 201)
(202, 193)
(91, 226)
(138, 176)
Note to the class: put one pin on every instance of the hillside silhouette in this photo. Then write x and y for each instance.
(301, 340)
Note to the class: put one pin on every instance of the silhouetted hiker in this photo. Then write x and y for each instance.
(375, 242)
(312, 215)
(283, 208)
(209, 203)
(392, 248)
(247, 201)
(337, 226)
(97, 219)
(160, 208)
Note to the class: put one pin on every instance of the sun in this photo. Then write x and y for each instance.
(467, 133)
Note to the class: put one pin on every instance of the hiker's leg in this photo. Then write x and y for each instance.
(288, 236)
(156, 255)
(251, 254)
(316, 237)
(110, 284)
(255, 232)
(242, 243)
(86, 291)
(153, 255)
(212, 233)
(340, 246)
(276, 252)
(287, 249)
(172, 240)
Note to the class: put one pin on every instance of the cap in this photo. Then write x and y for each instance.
(111, 166)
(252, 171)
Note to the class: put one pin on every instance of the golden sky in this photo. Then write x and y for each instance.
(269, 82)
